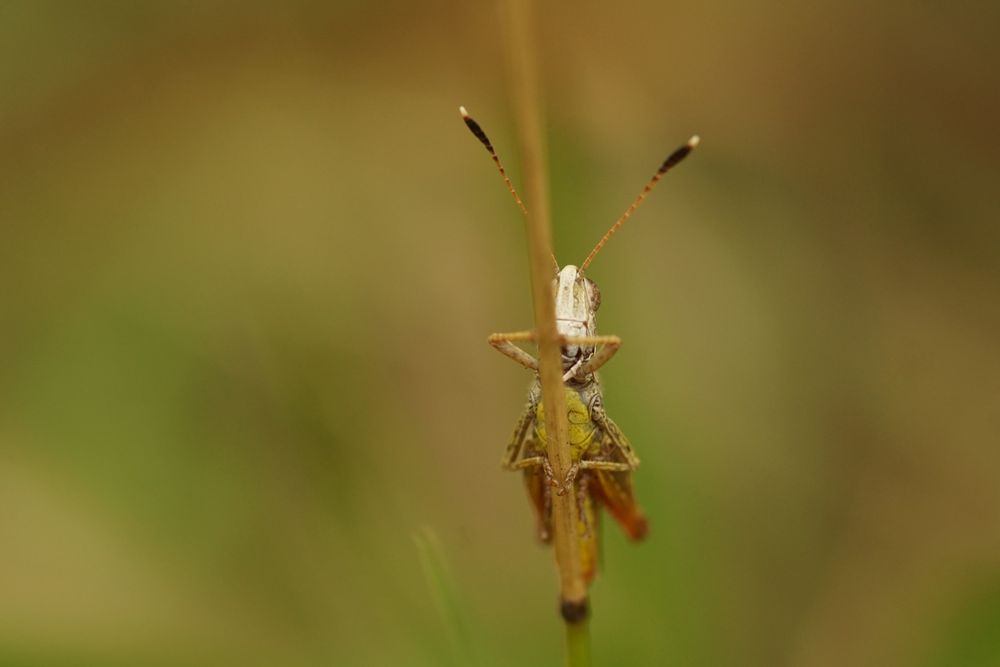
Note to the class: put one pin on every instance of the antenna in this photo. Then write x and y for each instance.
(485, 141)
(667, 165)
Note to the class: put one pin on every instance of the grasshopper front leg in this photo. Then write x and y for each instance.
(609, 346)
(504, 342)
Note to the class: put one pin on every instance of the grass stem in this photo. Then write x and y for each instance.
(525, 91)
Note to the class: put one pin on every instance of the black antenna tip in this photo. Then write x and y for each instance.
(679, 154)
(475, 129)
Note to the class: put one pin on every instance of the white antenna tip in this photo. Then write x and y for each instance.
(461, 110)
(694, 141)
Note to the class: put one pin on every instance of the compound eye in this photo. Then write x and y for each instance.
(595, 297)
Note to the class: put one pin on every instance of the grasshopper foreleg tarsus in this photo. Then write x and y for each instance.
(573, 371)
(567, 483)
(550, 474)
(609, 345)
(504, 343)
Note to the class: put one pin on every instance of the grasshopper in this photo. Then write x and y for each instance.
(602, 457)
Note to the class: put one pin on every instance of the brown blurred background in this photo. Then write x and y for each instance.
(250, 257)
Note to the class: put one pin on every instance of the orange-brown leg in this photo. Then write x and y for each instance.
(587, 529)
(540, 493)
(614, 490)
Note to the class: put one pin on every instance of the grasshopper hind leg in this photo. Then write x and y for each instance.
(588, 528)
(522, 453)
(514, 449)
(613, 481)
(614, 490)
(540, 493)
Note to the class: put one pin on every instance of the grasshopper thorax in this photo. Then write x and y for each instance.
(577, 301)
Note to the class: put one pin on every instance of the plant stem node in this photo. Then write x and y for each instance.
(574, 611)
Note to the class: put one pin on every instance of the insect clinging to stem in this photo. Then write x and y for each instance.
(602, 457)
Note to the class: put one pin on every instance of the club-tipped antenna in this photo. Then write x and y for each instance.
(667, 165)
(478, 132)
(485, 141)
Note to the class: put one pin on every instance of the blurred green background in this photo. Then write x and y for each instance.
(250, 257)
